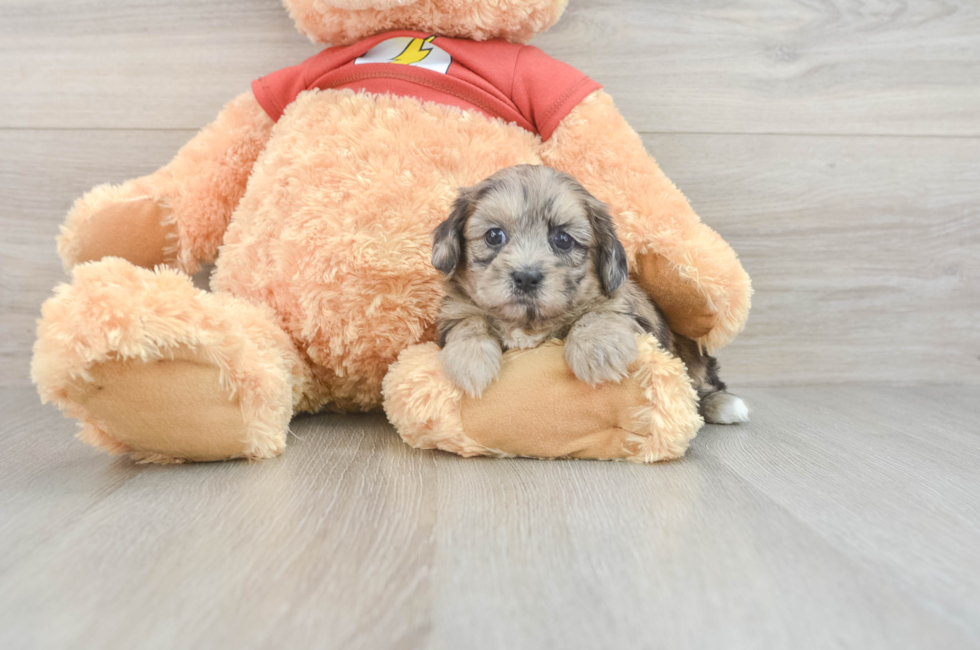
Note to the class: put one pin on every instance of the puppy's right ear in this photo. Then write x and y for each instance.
(449, 238)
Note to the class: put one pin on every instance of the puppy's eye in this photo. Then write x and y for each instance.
(562, 240)
(495, 237)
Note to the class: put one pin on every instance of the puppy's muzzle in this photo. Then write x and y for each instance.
(527, 280)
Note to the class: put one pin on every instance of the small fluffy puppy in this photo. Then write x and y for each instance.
(529, 255)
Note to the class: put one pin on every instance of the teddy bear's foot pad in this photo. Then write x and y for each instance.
(165, 409)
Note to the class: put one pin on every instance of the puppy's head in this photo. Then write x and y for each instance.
(528, 243)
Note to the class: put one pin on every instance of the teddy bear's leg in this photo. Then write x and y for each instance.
(153, 366)
(178, 214)
(539, 408)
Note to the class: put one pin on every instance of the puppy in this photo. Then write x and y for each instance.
(529, 255)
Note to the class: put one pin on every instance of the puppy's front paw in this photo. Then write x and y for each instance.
(597, 356)
(472, 363)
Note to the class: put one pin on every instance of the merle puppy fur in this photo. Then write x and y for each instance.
(529, 255)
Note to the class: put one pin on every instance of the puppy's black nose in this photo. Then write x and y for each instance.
(527, 281)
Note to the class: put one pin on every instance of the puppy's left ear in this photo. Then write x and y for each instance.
(611, 266)
(449, 239)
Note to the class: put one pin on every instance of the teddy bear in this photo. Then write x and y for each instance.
(314, 194)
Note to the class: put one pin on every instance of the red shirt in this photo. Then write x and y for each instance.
(518, 83)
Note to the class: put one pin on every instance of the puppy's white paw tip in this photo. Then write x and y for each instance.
(723, 408)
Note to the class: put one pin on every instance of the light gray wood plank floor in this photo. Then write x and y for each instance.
(842, 516)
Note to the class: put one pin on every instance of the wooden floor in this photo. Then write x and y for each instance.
(841, 517)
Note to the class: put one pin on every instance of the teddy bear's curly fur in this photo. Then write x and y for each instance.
(323, 221)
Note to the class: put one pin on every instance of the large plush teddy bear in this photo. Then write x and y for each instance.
(316, 193)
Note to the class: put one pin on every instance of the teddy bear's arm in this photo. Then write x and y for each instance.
(691, 272)
(178, 214)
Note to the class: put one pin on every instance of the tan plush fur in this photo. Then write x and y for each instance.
(115, 311)
(424, 405)
(323, 220)
(650, 416)
(340, 22)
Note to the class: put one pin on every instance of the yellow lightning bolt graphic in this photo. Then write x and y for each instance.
(413, 52)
